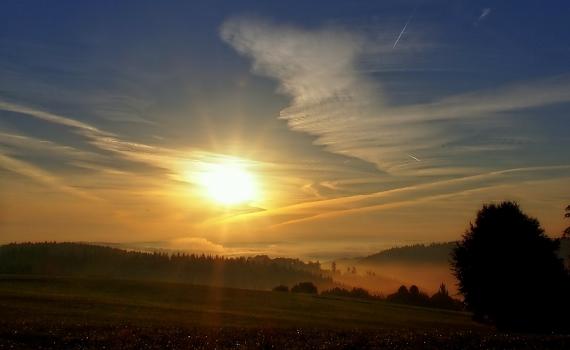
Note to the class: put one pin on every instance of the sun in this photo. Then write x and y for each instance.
(228, 183)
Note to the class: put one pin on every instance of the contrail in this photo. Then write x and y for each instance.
(406, 25)
(414, 158)
(401, 33)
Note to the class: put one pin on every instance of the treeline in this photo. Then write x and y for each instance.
(412, 296)
(85, 260)
(417, 253)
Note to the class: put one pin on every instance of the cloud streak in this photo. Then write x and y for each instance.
(46, 116)
(484, 13)
(403, 196)
(109, 149)
(42, 176)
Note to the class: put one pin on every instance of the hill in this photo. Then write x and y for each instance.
(84, 260)
(434, 253)
(91, 313)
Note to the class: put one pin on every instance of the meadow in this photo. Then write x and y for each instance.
(92, 313)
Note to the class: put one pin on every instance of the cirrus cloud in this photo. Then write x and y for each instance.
(338, 100)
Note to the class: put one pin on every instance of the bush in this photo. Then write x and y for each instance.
(442, 300)
(413, 296)
(281, 288)
(354, 293)
(305, 287)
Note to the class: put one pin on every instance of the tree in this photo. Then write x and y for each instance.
(401, 296)
(509, 272)
(354, 293)
(304, 287)
(414, 290)
(442, 300)
(281, 288)
(413, 296)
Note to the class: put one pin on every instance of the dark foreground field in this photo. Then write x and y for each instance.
(48, 313)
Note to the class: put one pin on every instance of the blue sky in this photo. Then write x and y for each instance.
(356, 115)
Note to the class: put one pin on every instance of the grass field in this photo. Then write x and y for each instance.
(54, 313)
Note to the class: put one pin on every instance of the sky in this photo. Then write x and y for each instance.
(361, 124)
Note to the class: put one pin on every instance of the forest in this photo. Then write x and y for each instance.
(85, 260)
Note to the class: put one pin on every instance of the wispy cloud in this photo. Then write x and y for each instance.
(404, 196)
(112, 158)
(348, 110)
(102, 139)
(42, 176)
(21, 143)
(486, 103)
(110, 148)
(47, 116)
(484, 13)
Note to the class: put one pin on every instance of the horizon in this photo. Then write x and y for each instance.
(320, 131)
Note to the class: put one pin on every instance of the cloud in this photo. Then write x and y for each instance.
(46, 116)
(42, 176)
(305, 62)
(23, 144)
(116, 161)
(484, 13)
(110, 150)
(405, 196)
(334, 99)
(316, 68)
(14, 144)
(102, 139)
(516, 96)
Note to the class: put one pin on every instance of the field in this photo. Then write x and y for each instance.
(55, 313)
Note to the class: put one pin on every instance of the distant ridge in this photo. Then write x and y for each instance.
(435, 253)
(418, 253)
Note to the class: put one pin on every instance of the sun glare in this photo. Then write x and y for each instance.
(228, 183)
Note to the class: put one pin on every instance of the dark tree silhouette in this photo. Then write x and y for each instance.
(413, 296)
(443, 300)
(354, 293)
(509, 272)
(402, 295)
(414, 290)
